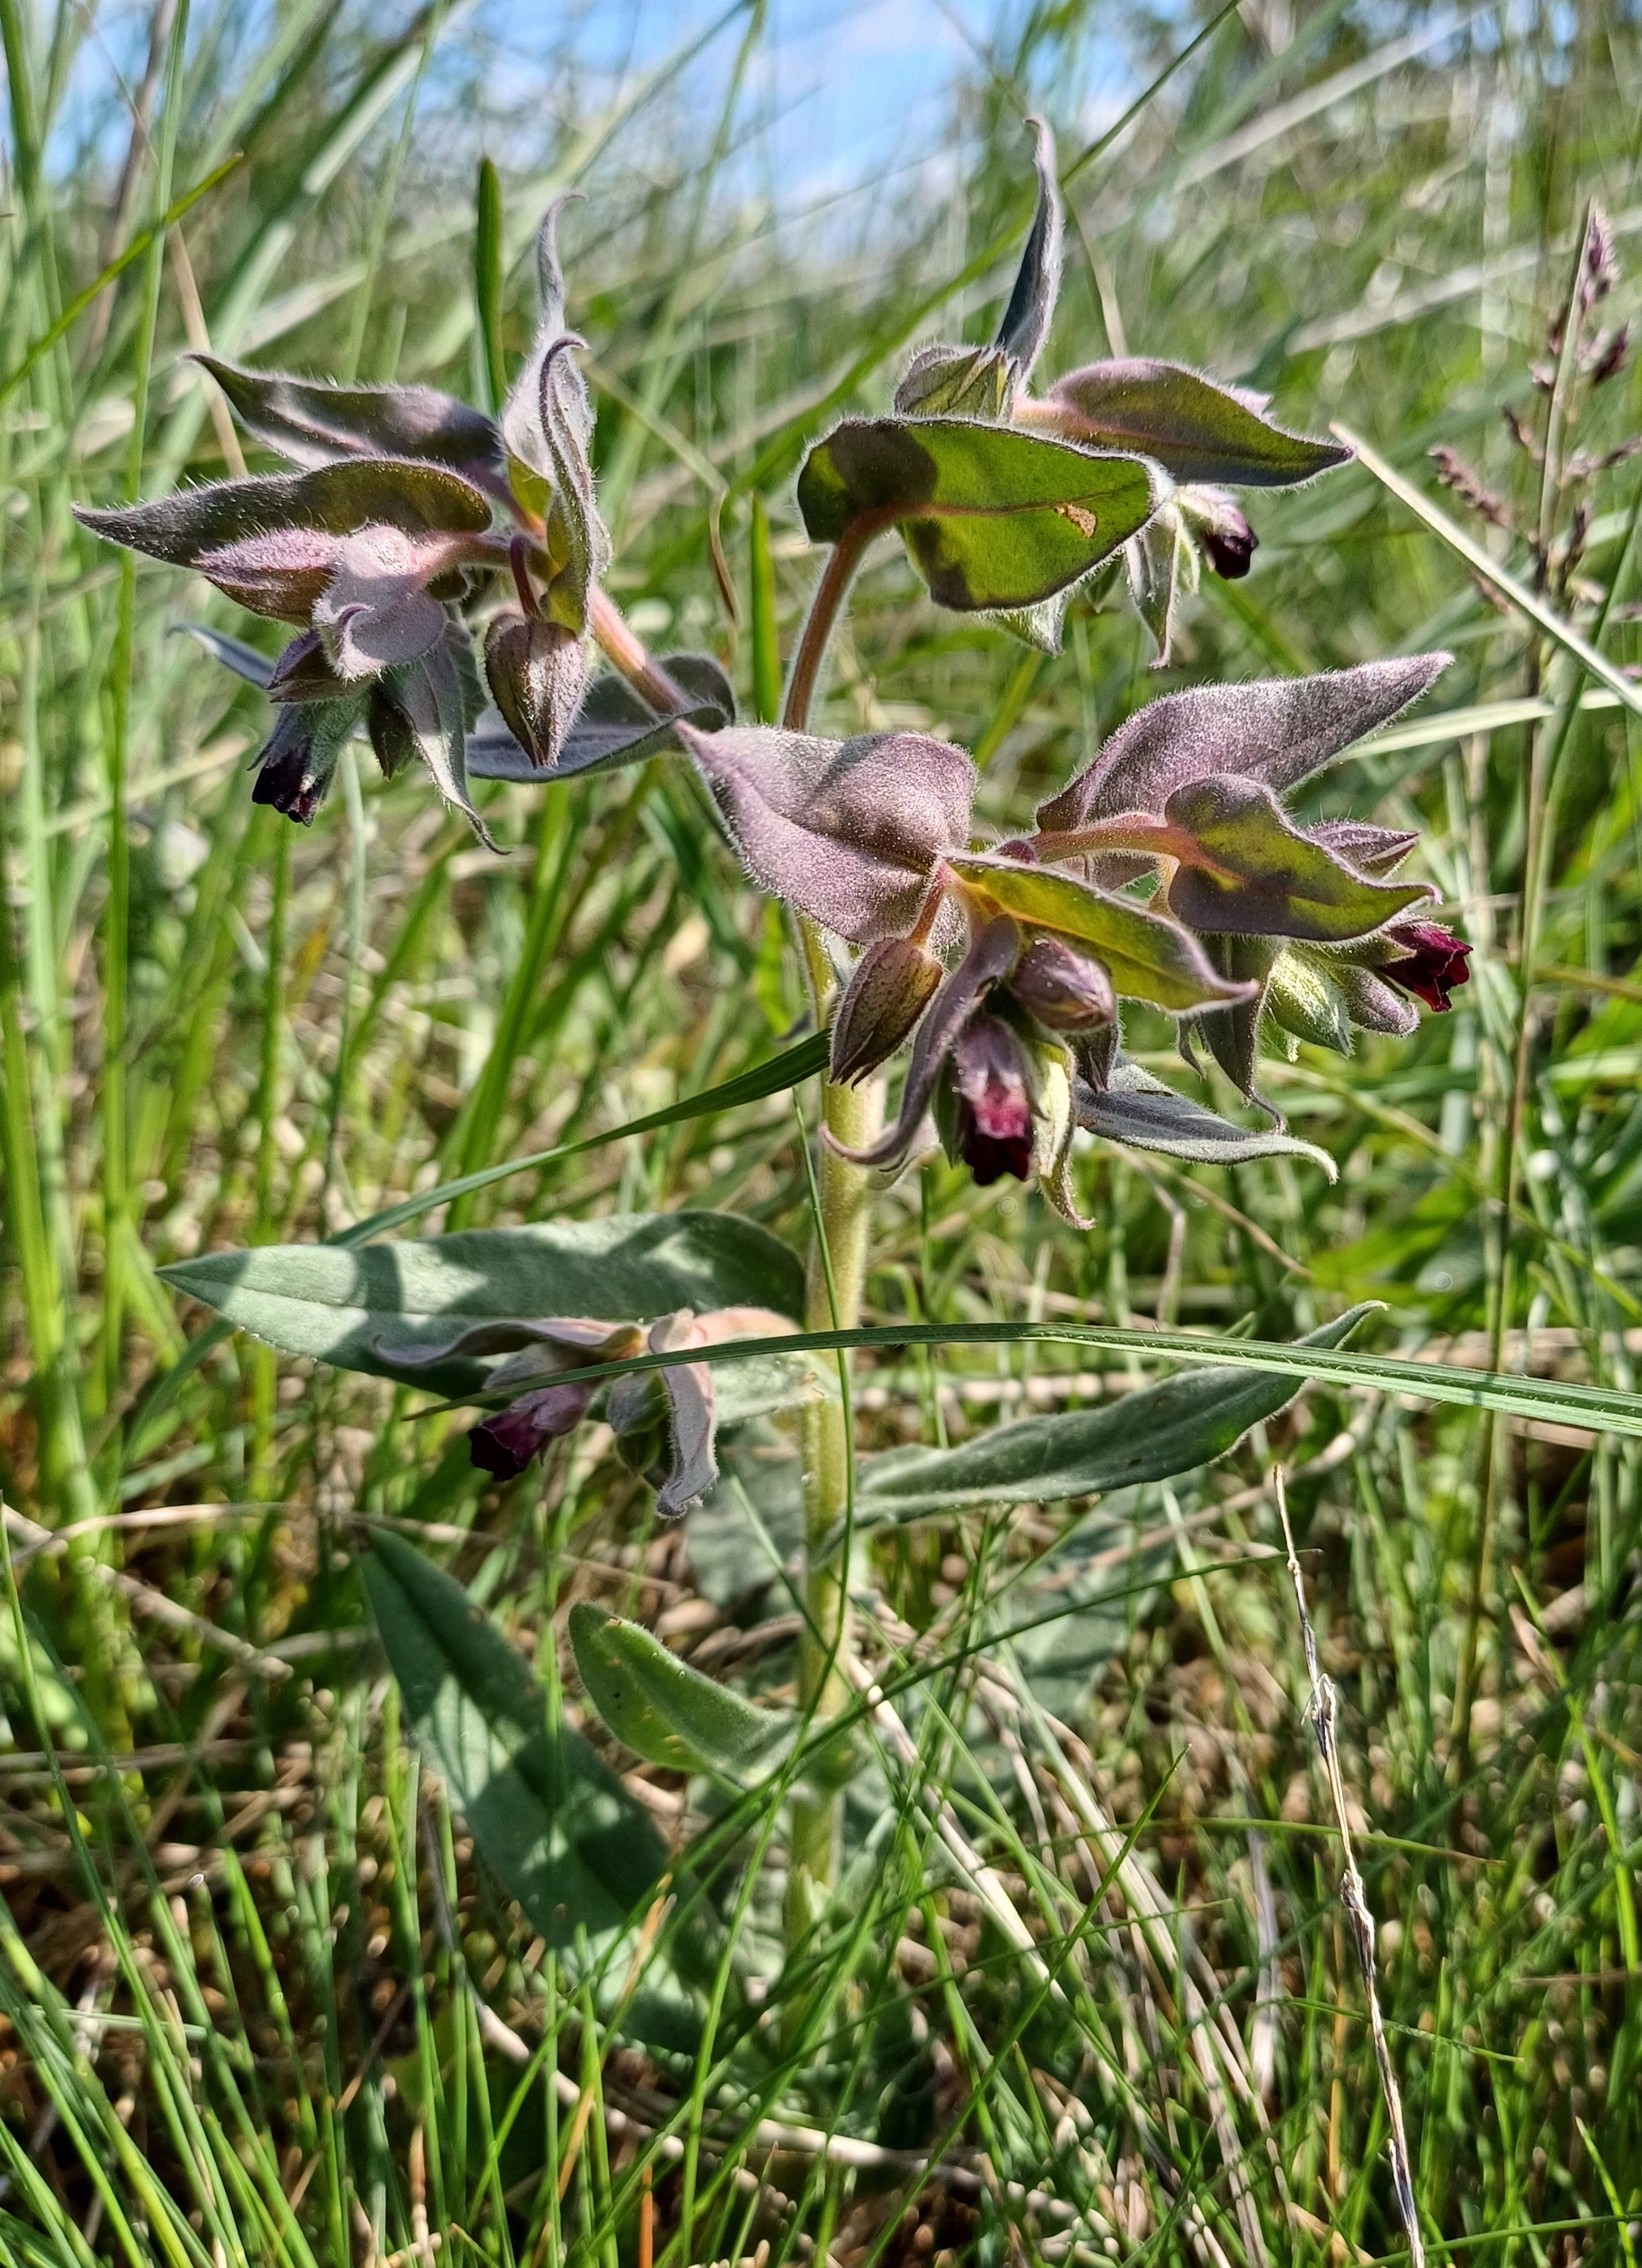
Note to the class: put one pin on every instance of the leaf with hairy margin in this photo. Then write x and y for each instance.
(993, 518)
(310, 422)
(1148, 956)
(333, 500)
(354, 1308)
(1139, 1112)
(1246, 870)
(1195, 427)
(1154, 1434)
(665, 1710)
(850, 832)
(1031, 309)
(1277, 730)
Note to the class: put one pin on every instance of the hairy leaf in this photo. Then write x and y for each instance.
(1246, 870)
(993, 517)
(1147, 956)
(424, 707)
(1196, 428)
(310, 423)
(1140, 1113)
(1030, 310)
(613, 726)
(375, 611)
(848, 832)
(332, 500)
(1277, 730)
(663, 1709)
(1231, 1035)
(552, 1824)
(354, 1308)
(1154, 1434)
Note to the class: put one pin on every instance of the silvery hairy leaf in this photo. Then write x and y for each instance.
(1146, 955)
(376, 611)
(665, 1710)
(234, 654)
(1196, 428)
(366, 1309)
(1245, 870)
(886, 993)
(1371, 849)
(578, 542)
(1277, 730)
(993, 951)
(272, 542)
(521, 414)
(1140, 1113)
(1154, 1433)
(613, 727)
(309, 422)
(1152, 562)
(1030, 310)
(537, 674)
(994, 518)
(423, 708)
(850, 832)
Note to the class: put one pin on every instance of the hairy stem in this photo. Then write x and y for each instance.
(625, 649)
(836, 1281)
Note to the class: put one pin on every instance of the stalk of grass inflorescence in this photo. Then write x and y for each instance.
(1322, 1710)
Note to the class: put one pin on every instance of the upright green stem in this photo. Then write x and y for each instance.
(836, 1282)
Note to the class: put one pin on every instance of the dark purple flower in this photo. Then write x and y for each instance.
(992, 1096)
(1433, 966)
(1229, 544)
(506, 1441)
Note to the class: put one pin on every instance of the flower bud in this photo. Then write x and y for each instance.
(956, 382)
(295, 767)
(1065, 991)
(537, 674)
(885, 998)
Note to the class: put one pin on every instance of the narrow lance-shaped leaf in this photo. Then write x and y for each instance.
(310, 422)
(1196, 428)
(551, 1822)
(1031, 309)
(665, 1710)
(424, 708)
(1156, 1433)
(1147, 956)
(578, 541)
(355, 1309)
(1278, 730)
(993, 517)
(1139, 1113)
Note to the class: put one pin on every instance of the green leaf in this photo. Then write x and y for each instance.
(1151, 1435)
(1197, 429)
(310, 423)
(613, 726)
(335, 1304)
(333, 499)
(1247, 870)
(993, 517)
(1140, 1112)
(552, 1824)
(1148, 956)
(661, 1709)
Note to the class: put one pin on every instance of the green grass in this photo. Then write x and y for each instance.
(262, 2002)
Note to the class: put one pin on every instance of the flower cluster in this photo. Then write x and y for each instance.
(1209, 439)
(408, 505)
(664, 1421)
(1251, 916)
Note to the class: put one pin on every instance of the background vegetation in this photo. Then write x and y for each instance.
(259, 2000)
